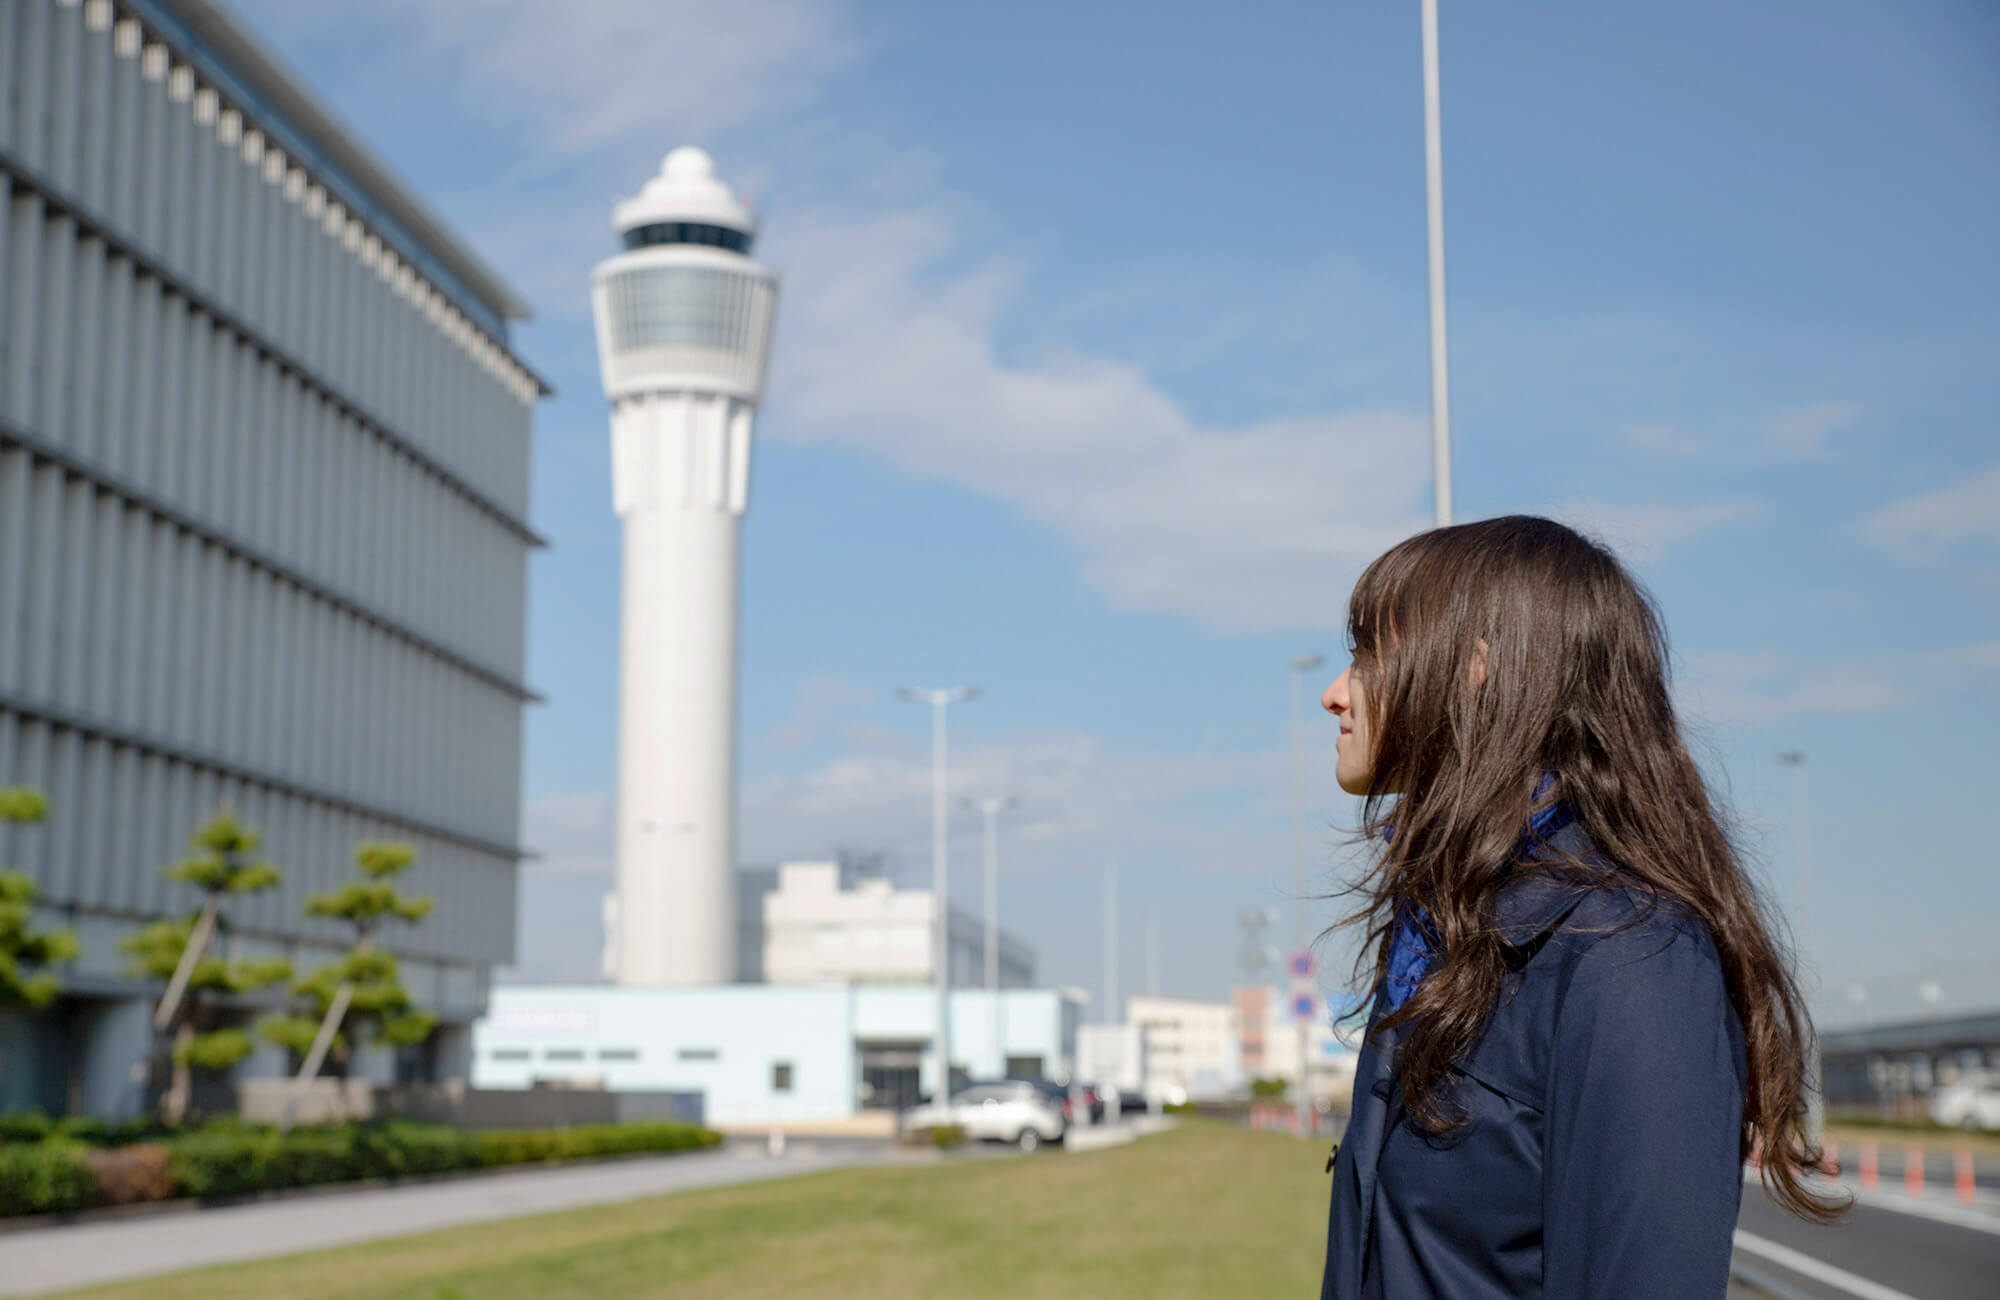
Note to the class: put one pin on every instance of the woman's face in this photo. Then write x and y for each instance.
(1356, 746)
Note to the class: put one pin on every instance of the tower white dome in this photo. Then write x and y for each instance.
(685, 190)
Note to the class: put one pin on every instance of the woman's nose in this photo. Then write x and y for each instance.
(1335, 699)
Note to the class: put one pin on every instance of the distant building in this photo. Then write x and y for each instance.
(764, 1055)
(1189, 1045)
(1892, 1068)
(824, 926)
(1331, 1052)
(264, 452)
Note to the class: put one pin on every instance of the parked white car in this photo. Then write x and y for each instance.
(1014, 1112)
(1970, 1103)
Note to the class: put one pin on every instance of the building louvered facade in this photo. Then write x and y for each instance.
(264, 454)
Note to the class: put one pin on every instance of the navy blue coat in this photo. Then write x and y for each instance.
(1601, 1156)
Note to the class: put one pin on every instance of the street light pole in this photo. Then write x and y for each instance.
(1111, 944)
(992, 806)
(939, 698)
(1301, 665)
(1802, 848)
(1434, 201)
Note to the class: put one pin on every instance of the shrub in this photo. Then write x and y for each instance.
(1178, 1108)
(947, 1135)
(229, 1158)
(131, 1174)
(44, 1178)
(526, 1146)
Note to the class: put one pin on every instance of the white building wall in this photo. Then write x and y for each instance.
(815, 930)
(724, 1041)
(1189, 1045)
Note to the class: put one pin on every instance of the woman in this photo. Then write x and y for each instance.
(1583, 1022)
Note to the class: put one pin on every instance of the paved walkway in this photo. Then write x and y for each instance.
(86, 1254)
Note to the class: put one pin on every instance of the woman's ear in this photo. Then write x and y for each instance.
(1476, 670)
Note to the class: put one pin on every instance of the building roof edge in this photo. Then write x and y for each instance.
(271, 77)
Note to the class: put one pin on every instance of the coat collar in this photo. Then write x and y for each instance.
(1537, 900)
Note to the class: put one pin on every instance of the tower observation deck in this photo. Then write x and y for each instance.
(683, 333)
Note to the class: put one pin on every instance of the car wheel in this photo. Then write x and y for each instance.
(1028, 1140)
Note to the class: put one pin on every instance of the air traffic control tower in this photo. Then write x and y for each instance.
(683, 333)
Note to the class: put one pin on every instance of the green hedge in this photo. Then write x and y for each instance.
(227, 1158)
(242, 1161)
(34, 1126)
(48, 1178)
(527, 1146)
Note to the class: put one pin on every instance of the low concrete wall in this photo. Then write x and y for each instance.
(325, 1101)
(321, 1101)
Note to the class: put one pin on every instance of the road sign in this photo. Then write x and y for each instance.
(1303, 1007)
(1301, 964)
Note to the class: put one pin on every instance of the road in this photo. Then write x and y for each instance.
(1877, 1252)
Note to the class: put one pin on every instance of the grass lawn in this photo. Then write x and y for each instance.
(1205, 1210)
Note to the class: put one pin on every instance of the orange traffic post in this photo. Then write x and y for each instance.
(1961, 1173)
(1868, 1164)
(1913, 1169)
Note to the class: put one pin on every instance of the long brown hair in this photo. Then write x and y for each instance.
(1493, 653)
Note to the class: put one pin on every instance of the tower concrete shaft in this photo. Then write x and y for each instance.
(683, 328)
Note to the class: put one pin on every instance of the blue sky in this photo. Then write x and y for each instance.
(1101, 370)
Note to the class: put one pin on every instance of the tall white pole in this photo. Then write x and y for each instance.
(941, 894)
(1434, 190)
(1802, 837)
(992, 806)
(1301, 665)
(939, 699)
(1111, 945)
(1153, 956)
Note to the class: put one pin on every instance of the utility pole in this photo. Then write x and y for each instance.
(992, 806)
(939, 698)
(1111, 945)
(1153, 956)
(1434, 203)
(1301, 920)
(1802, 848)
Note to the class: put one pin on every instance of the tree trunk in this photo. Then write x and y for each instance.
(174, 1107)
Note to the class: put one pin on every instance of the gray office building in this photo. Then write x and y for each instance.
(264, 454)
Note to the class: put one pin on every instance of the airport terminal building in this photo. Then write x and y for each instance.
(264, 457)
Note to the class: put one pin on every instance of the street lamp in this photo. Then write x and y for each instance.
(1801, 834)
(1301, 665)
(939, 698)
(992, 806)
(1434, 202)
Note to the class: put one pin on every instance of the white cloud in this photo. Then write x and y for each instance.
(1800, 433)
(1931, 525)
(1647, 531)
(1769, 686)
(579, 77)
(1254, 527)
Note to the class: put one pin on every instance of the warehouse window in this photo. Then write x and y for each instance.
(563, 1054)
(698, 1054)
(617, 1053)
(781, 1076)
(511, 1054)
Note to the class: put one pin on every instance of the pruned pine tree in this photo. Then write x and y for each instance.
(27, 955)
(359, 999)
(224, 863)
